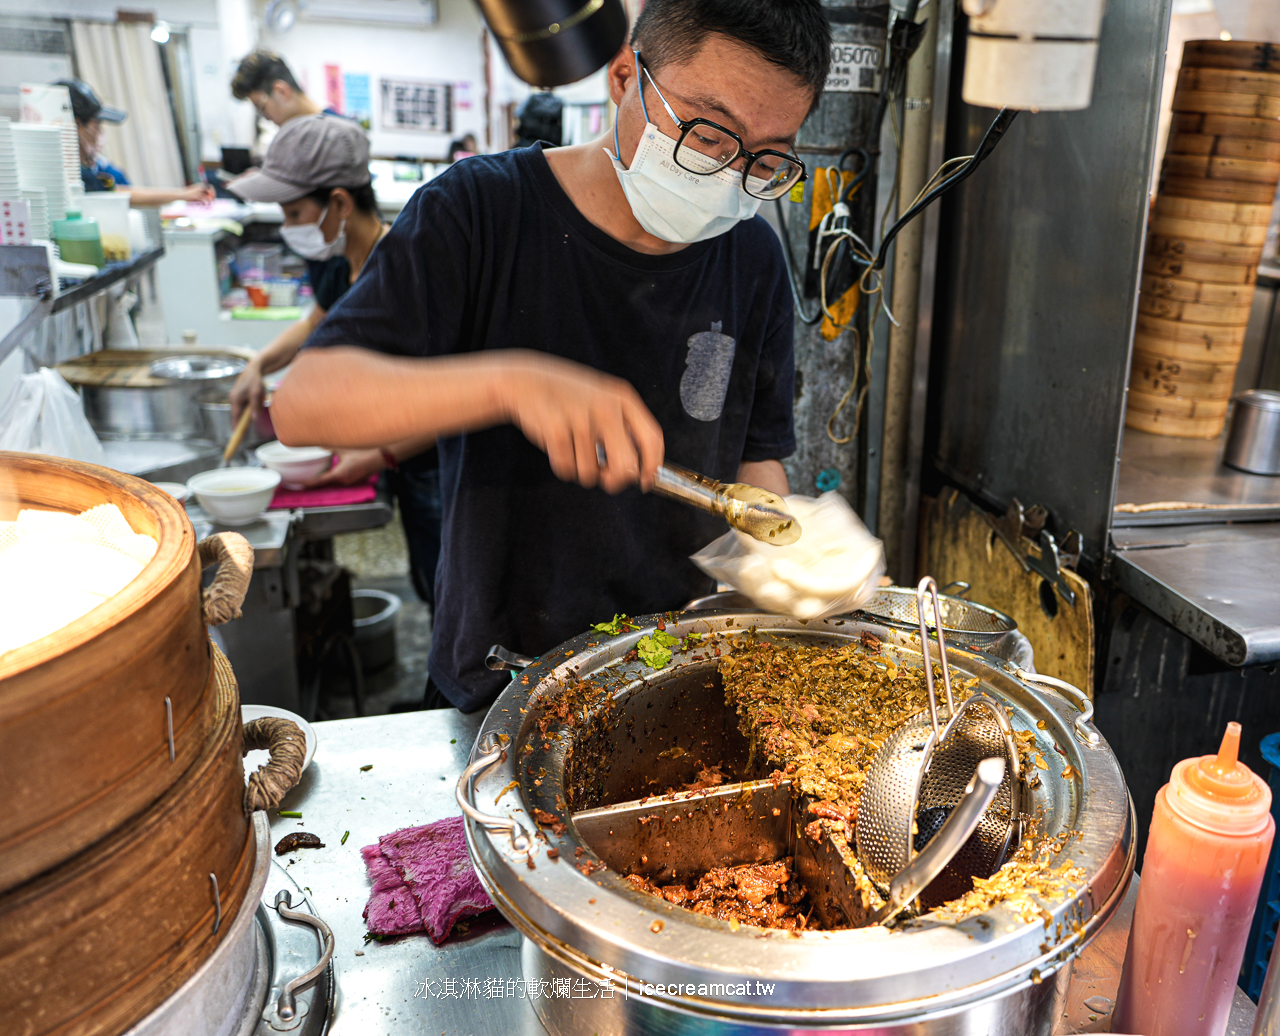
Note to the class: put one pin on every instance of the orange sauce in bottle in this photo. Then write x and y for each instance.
(1206, 858)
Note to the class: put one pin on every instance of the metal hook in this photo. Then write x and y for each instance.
(928, 586)
(168, 718)
(217, 901)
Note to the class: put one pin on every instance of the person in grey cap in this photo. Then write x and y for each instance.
(96, 173)
(317, 168)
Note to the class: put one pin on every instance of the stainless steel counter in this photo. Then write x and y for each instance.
(473, 984)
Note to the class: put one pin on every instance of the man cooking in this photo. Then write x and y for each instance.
(577, 314)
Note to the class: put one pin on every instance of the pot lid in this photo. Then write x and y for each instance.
(197, 367)
(573, 907)
(1259, 399)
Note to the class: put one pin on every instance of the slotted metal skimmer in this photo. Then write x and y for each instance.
(919, 775)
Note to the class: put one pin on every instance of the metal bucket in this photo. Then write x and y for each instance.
(667, 969)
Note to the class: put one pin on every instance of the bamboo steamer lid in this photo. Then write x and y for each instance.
(95, 945)
(1221, 167)
(1254, 234)
(1248, 105)
(1175, 427)
(1182, 331)
(1242, 54)
(1178, 406)
(1162, 246)
(1214, 211)
(1234, 126)
(1184, 350)
(1167, 376)
(1206, 189)
(1229, 80)
(1198, 270)
(1197, 291)
(1230, 147)
(1193, 312)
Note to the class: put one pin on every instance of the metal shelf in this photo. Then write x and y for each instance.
(110, 275)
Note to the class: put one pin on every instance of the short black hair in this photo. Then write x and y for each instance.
(364, 198)
(258, 73)
(792, 34)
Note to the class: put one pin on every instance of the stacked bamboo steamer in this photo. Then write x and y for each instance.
(1205, 237)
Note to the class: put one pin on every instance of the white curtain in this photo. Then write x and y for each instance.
(122, 64)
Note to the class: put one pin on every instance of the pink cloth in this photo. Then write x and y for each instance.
(431, 864)
(325, 496)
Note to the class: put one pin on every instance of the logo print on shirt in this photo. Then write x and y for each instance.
(706, 376)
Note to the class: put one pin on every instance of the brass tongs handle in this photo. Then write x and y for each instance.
(689, 487)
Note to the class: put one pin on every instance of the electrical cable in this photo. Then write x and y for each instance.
(805, 318)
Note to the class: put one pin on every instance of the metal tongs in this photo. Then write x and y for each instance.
(750, 509)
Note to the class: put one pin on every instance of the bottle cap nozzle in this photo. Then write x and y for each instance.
(1219, 791)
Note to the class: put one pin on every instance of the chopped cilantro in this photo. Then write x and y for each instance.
(453, 740)
(612, 628)
(655, 649)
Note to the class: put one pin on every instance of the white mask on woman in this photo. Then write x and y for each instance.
(307, 239)
(672, 203)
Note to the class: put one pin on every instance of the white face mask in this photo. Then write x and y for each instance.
(674, 204)
(307, 239)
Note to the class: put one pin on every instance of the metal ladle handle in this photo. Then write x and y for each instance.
(909, 882)
(929, 587)
(1085, 730)
(520, 841)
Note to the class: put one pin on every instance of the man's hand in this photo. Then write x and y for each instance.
(248, 390)
(353, 468)
(567, 410)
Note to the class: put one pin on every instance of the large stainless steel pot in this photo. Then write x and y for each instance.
(987, 974)
(157, 406)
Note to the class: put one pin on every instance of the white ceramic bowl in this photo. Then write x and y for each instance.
(297, 465)
(176, 490)
(235, 496)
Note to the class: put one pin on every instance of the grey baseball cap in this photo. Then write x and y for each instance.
(309, 152)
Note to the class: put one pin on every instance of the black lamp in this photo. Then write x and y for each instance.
(553, 42)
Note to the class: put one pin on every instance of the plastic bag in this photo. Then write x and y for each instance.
(43, 414)
(833, 568)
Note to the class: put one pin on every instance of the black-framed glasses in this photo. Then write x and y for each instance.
(705, 148)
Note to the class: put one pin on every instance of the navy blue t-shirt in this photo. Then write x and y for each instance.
(492, 254)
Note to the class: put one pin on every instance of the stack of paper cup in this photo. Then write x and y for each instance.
(1217, 185)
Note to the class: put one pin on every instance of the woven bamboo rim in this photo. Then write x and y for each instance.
(1227, 147)
(1234, 126)
(1248, 105)
(1184, 331)
(1204, 189)
(1229, 80)
(1204, 251)
(1149, 379)
(1207, 230)
(1193, 312)
(1246, 54)
(1178, 406)
(1215, 211)
(1196, 270)
(1221, 167)
(1203, 292)
(1184, 350)
(1186, 370)
(1174, 427)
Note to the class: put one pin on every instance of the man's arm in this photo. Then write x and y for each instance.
(155, 197)
(345, 396)
(767, 474)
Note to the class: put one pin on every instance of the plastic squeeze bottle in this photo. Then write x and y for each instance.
(1205, 861)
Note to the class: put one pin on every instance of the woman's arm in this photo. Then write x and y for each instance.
(767, 474)
(249, 388)
(344, 396)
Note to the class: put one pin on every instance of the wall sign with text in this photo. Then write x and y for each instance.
(855, 68)
(416, 104)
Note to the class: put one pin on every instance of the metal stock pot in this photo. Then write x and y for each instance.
(666, 969)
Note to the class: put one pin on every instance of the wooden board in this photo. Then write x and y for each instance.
(1168, 376)
(1221, 167)
(1200, 352)
(1243, 54)
(127, 368)
(1196, 270)
(1217, 211)
(1195, 312)
(1229, 80)
(1204, 189)
(959, 544)
(1162, 245)
(83, 740)
(1198, 291)
(1247, 105)
(1207, 230)
(1208, 335)
(1174, 427)
(92, 947)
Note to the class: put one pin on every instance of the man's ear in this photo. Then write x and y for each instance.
(621, 70)
(285, 90)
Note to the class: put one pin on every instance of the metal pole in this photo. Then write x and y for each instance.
(824, 369)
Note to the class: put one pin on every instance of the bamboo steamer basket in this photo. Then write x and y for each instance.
(1208, 230)
(1214, 211)
(93, 946)
(1220, 167)
(1233, 126)
(1203, 352)
(1230, 147)
(1197, 291)
(1202, 335)
(1242, 54)
(1178, 427)
(1246, 105)
(1199, 270)
(1193, 312)
(84, 743)
(1229, 80)
(1206, 189)
(1162, 245)
(1156, 375)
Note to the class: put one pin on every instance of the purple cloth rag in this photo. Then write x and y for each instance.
(428, 867)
